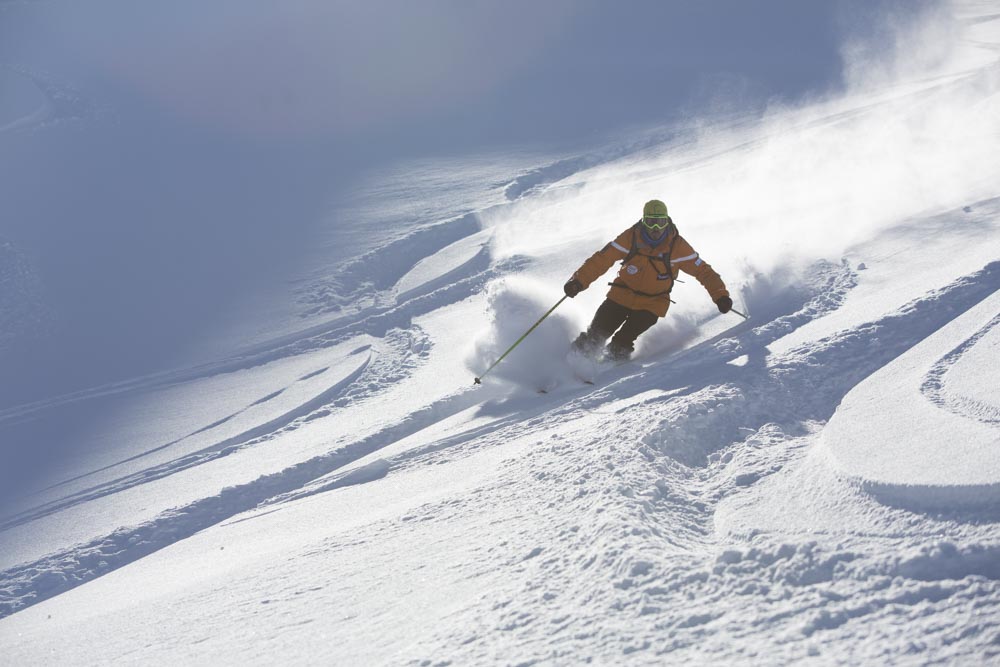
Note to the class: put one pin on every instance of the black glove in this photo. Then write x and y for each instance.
(724, 303)
(573, 287)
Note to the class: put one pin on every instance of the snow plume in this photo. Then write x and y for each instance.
(759, 195)
(539, 361)
(887, 45)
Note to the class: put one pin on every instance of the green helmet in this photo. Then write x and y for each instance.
(654, 208)
(655, 218)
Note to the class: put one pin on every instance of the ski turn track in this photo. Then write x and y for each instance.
(59, 572)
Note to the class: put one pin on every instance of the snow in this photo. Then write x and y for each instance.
(162, 433)
(439, 269)
(319, 480)
(917, 430)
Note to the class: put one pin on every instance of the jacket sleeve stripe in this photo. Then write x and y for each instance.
(615, 245)
(684, 259)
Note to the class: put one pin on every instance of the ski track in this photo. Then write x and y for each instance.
(69, 568)
(955, 426)
(251, 437)
(290, 416)
(385, 322)
(478, 263)
(934, 385)
(376, 322)
(355, 285)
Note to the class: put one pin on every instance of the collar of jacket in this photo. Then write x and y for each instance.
(655, 243)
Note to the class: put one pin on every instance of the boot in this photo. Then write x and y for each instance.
(617, 353)
(588, 343)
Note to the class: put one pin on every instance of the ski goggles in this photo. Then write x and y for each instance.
(658, 224)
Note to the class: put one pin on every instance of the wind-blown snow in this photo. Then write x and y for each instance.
(540, 360)
(817, 483)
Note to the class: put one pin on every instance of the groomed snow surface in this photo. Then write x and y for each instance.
(819, 483)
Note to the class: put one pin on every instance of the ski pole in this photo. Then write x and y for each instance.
(518, 342)
(746, 317)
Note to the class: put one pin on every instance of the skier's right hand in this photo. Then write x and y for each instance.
(573, 287)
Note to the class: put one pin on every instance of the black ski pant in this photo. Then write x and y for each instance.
(610, 316)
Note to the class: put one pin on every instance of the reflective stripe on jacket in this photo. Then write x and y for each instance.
(644, 282)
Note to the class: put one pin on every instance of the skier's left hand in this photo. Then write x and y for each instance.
(724, 303)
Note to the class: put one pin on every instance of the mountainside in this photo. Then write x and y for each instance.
(820, 481)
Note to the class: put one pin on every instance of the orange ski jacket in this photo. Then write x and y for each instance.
(648, 273)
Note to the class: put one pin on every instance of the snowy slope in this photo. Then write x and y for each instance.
(818, 482)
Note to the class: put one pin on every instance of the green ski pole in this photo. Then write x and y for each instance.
(480, 378)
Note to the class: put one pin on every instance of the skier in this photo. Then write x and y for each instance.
(651, 252)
